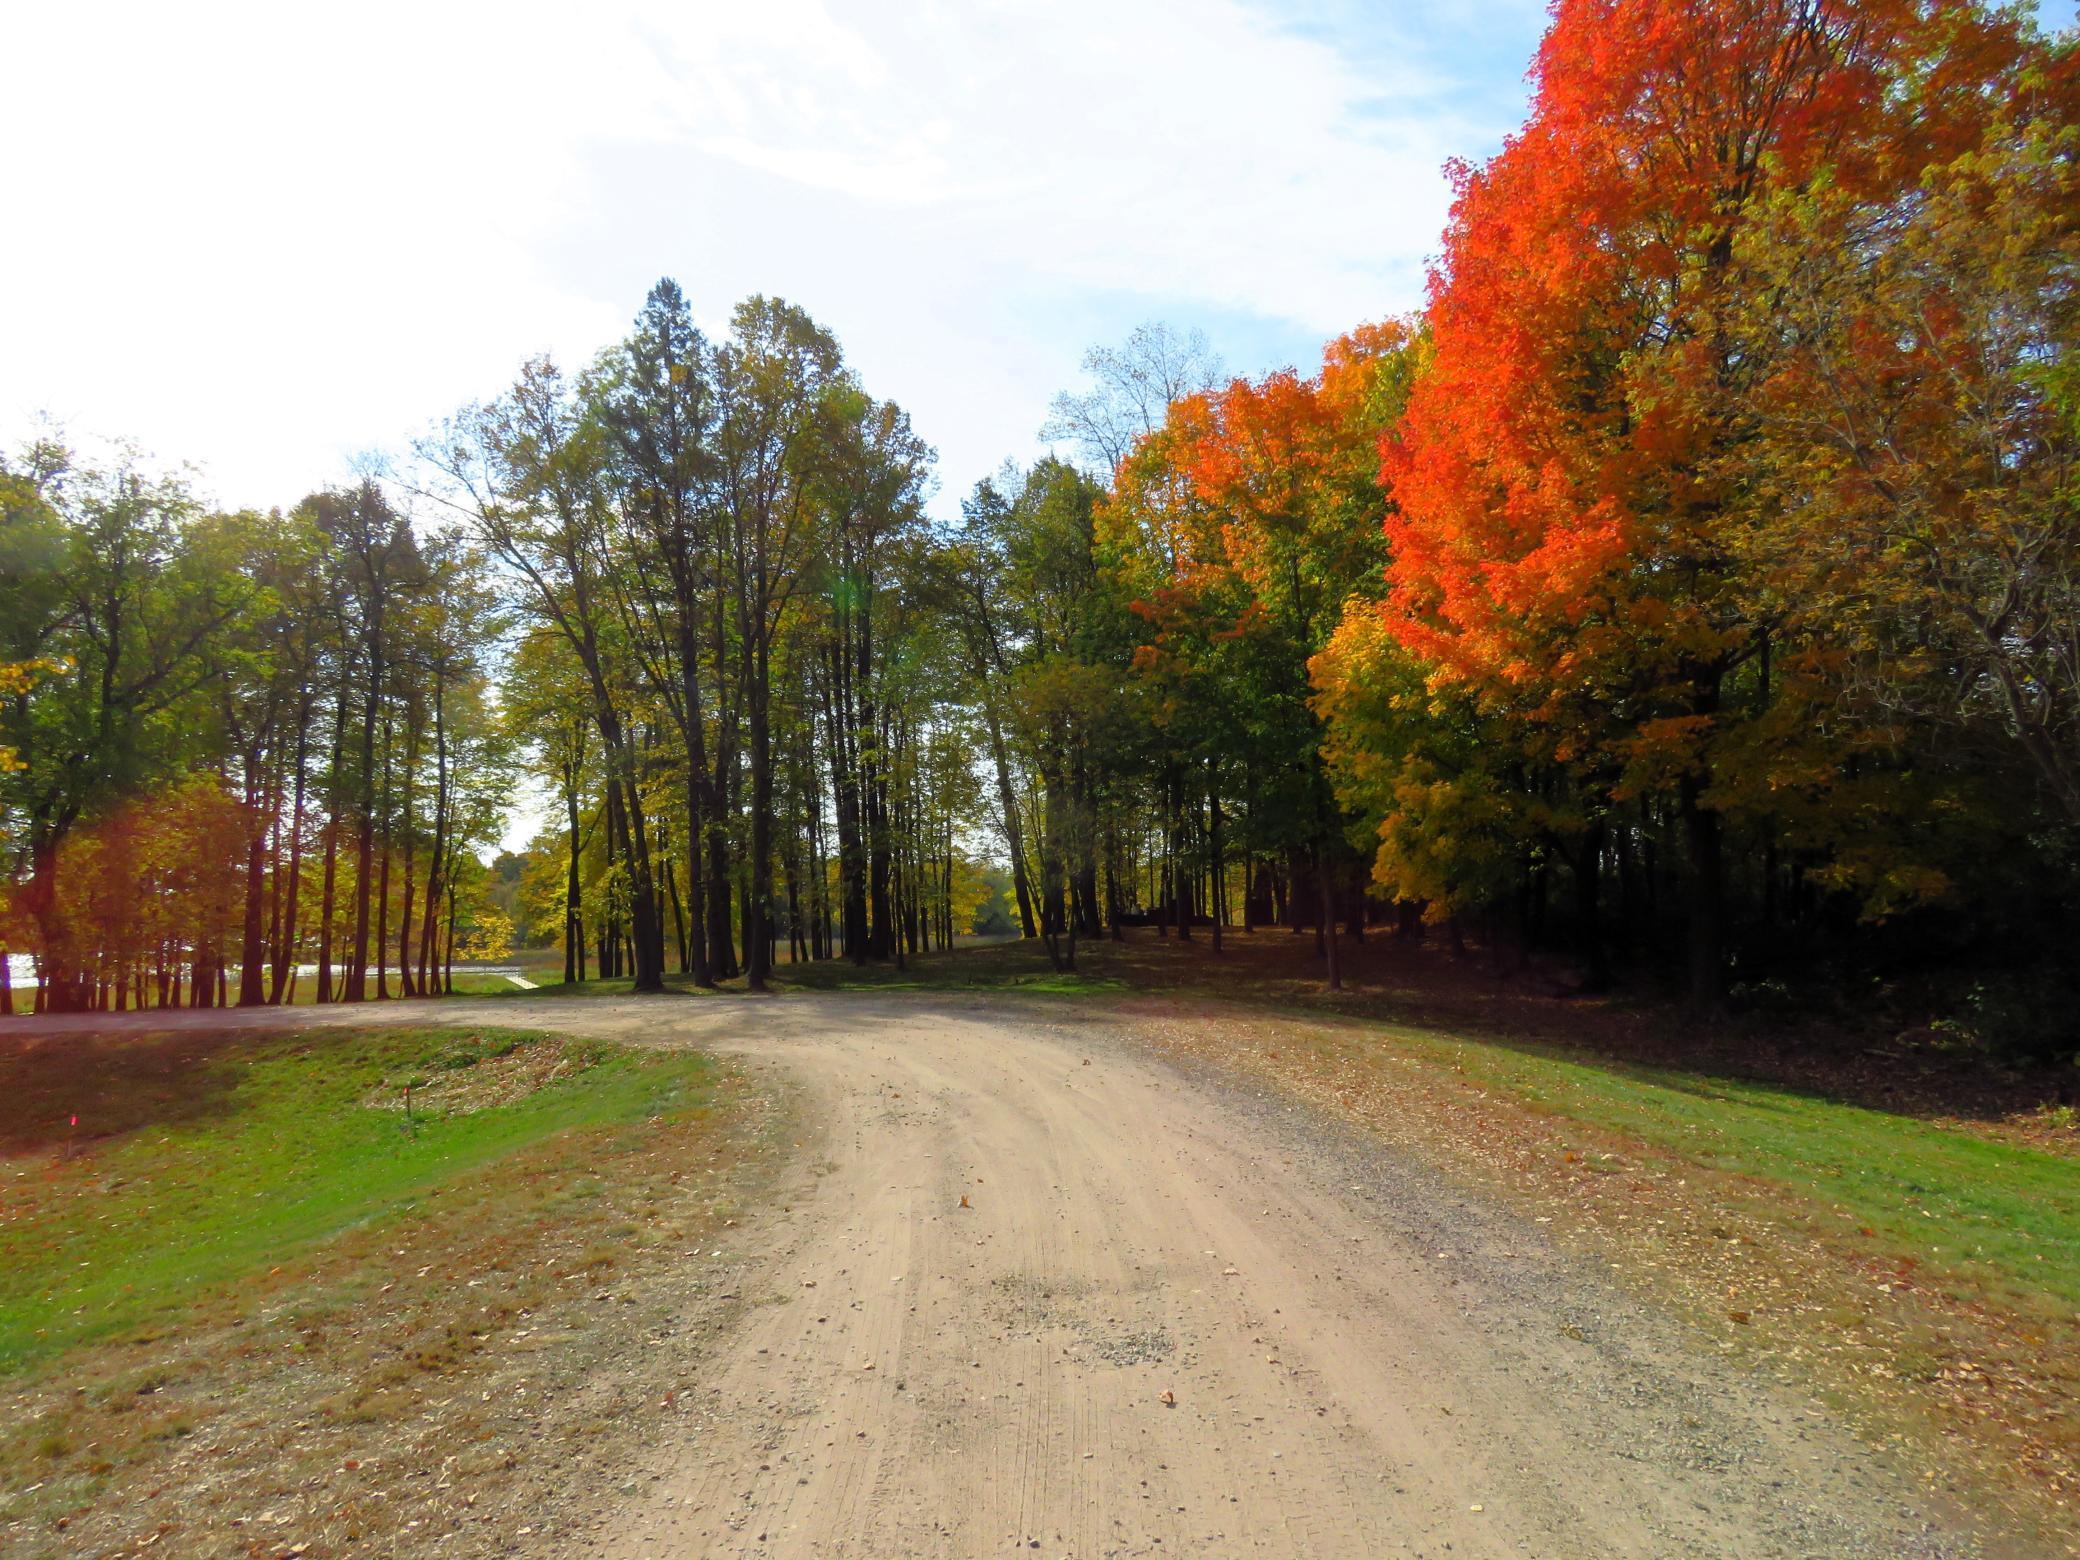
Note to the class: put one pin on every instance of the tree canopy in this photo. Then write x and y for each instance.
(1690, 585)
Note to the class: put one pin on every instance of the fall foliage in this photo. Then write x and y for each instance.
(1692, 587)
(1709, 543)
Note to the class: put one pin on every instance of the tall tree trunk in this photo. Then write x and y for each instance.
(758, 932)
(819, 868)
(271, 938)
(646, 942)
(1588, 898)
(1702, 841)
(1180, 877)
(285, 947)
(671, 883)
(1707, 930)
(1220, 859)
(334, 803)
(700, 806)
(407, 984)
(881, 930)
(437, 863)
(573, 897)
(791, 882)
(252, 957)
(1325, 895)
(365, 839)
(382, 937)
(722, 951)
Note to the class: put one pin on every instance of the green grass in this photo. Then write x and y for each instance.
(242, 1154)
(993, 966)
(2001, 1217)
(468, 983)
(619, 986)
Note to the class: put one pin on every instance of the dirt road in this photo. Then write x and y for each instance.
(1034, 1290)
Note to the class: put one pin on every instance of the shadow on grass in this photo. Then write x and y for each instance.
(115, 1083)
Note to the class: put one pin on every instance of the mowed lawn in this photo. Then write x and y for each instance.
(1997, 1220)
(200, 1158)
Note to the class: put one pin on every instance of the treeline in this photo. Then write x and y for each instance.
(733, 664)
(1143, 645)
(1692, 587)
(692, 588)
(1725, 613)
(236, 747)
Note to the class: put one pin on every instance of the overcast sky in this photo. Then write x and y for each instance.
(264, 239)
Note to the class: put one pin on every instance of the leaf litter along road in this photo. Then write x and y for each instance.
(1173, 1317)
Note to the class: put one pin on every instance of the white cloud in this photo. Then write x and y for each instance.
(265, 237)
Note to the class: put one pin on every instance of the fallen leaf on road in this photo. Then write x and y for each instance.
(964, 1201)
(1168, 1399)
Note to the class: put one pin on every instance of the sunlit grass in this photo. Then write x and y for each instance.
(1996, 1219)
(250, 1152)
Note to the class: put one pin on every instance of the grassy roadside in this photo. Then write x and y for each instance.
(984, 966)
(1992, 1218)
(1897, 1228)
(284, 1142)
(268, 1311)
(1924, 1277)
(1989, 1220)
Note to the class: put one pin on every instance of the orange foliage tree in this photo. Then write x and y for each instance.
(154, 886)
(1247, 521)
(1561, 534)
